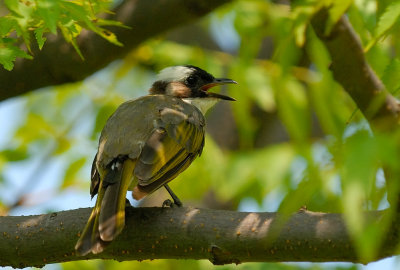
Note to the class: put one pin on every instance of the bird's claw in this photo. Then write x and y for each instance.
(169, 203)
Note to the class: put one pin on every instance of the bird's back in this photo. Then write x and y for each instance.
(131, 125)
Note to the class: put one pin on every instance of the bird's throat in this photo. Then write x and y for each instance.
(203, 104)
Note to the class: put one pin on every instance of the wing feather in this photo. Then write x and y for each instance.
(170, 149)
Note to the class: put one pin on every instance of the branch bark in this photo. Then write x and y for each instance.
(58, 63)
(350, 68)
(187, 233)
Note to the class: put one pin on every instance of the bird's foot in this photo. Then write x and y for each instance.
(177, 202)
(169, 203)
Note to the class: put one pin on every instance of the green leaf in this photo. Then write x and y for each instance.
(102, 115)
(388, 19)
(12, 5)
(6, 25)
(262, 93)
(391, 76)
(39, 36)
(77, 12)
(367, 236)
(301, 14)
(107, 35)
(72, 171)
(14, 154)
(22, 13)
(42, 16)
(245, 171)
(294, 109)
(49, 12)
(8, 54)
(336, 11)
(42, 129)
(103, 22)
(70, 31)
(63, 144)
(360, 158)
(353, 199)
(385, 23)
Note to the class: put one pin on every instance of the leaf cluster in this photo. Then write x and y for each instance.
(28, 20)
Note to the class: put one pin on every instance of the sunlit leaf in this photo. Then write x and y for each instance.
(12, 5)
(44, 16)
(391, 76)
(8, 54)
(257, 80)
(39, 37)
(336, 10)
(385, 23)
(49, 12)
(302, 12)
(70, 31)
(42, 129)
(6, 25)
(63, 144)
(107, 35)
(388, 19)
(293, 109)
(72, 171)
(103, 114)
(256, 172)
(103, 22)
(14, 154)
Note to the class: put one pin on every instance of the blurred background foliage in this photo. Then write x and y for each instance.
(293, 138)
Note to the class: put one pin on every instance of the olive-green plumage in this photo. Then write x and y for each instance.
(146, 143)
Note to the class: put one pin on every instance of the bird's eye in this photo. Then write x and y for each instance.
(191, 80)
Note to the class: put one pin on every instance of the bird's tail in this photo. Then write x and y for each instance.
(108, 216)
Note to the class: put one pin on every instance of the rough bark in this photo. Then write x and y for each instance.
(58, 63)
(187, 233)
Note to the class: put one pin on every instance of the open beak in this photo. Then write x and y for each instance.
(216, 82)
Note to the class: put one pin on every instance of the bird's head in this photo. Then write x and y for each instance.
(191, 84)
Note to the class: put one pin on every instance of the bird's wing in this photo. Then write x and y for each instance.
(95, 178)
(172, 146)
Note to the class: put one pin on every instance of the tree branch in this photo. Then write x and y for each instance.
(350, 68)
(187, 233)
(58, 63)
(352, 71)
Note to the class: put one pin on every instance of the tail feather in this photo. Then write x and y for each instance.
(112, 213)
(84, 244)
(108, 216)
(90, 240)
(98, 244)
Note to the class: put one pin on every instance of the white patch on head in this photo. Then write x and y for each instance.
(174, 74)
(203, 104)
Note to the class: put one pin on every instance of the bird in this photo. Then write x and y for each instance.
(145, 144)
